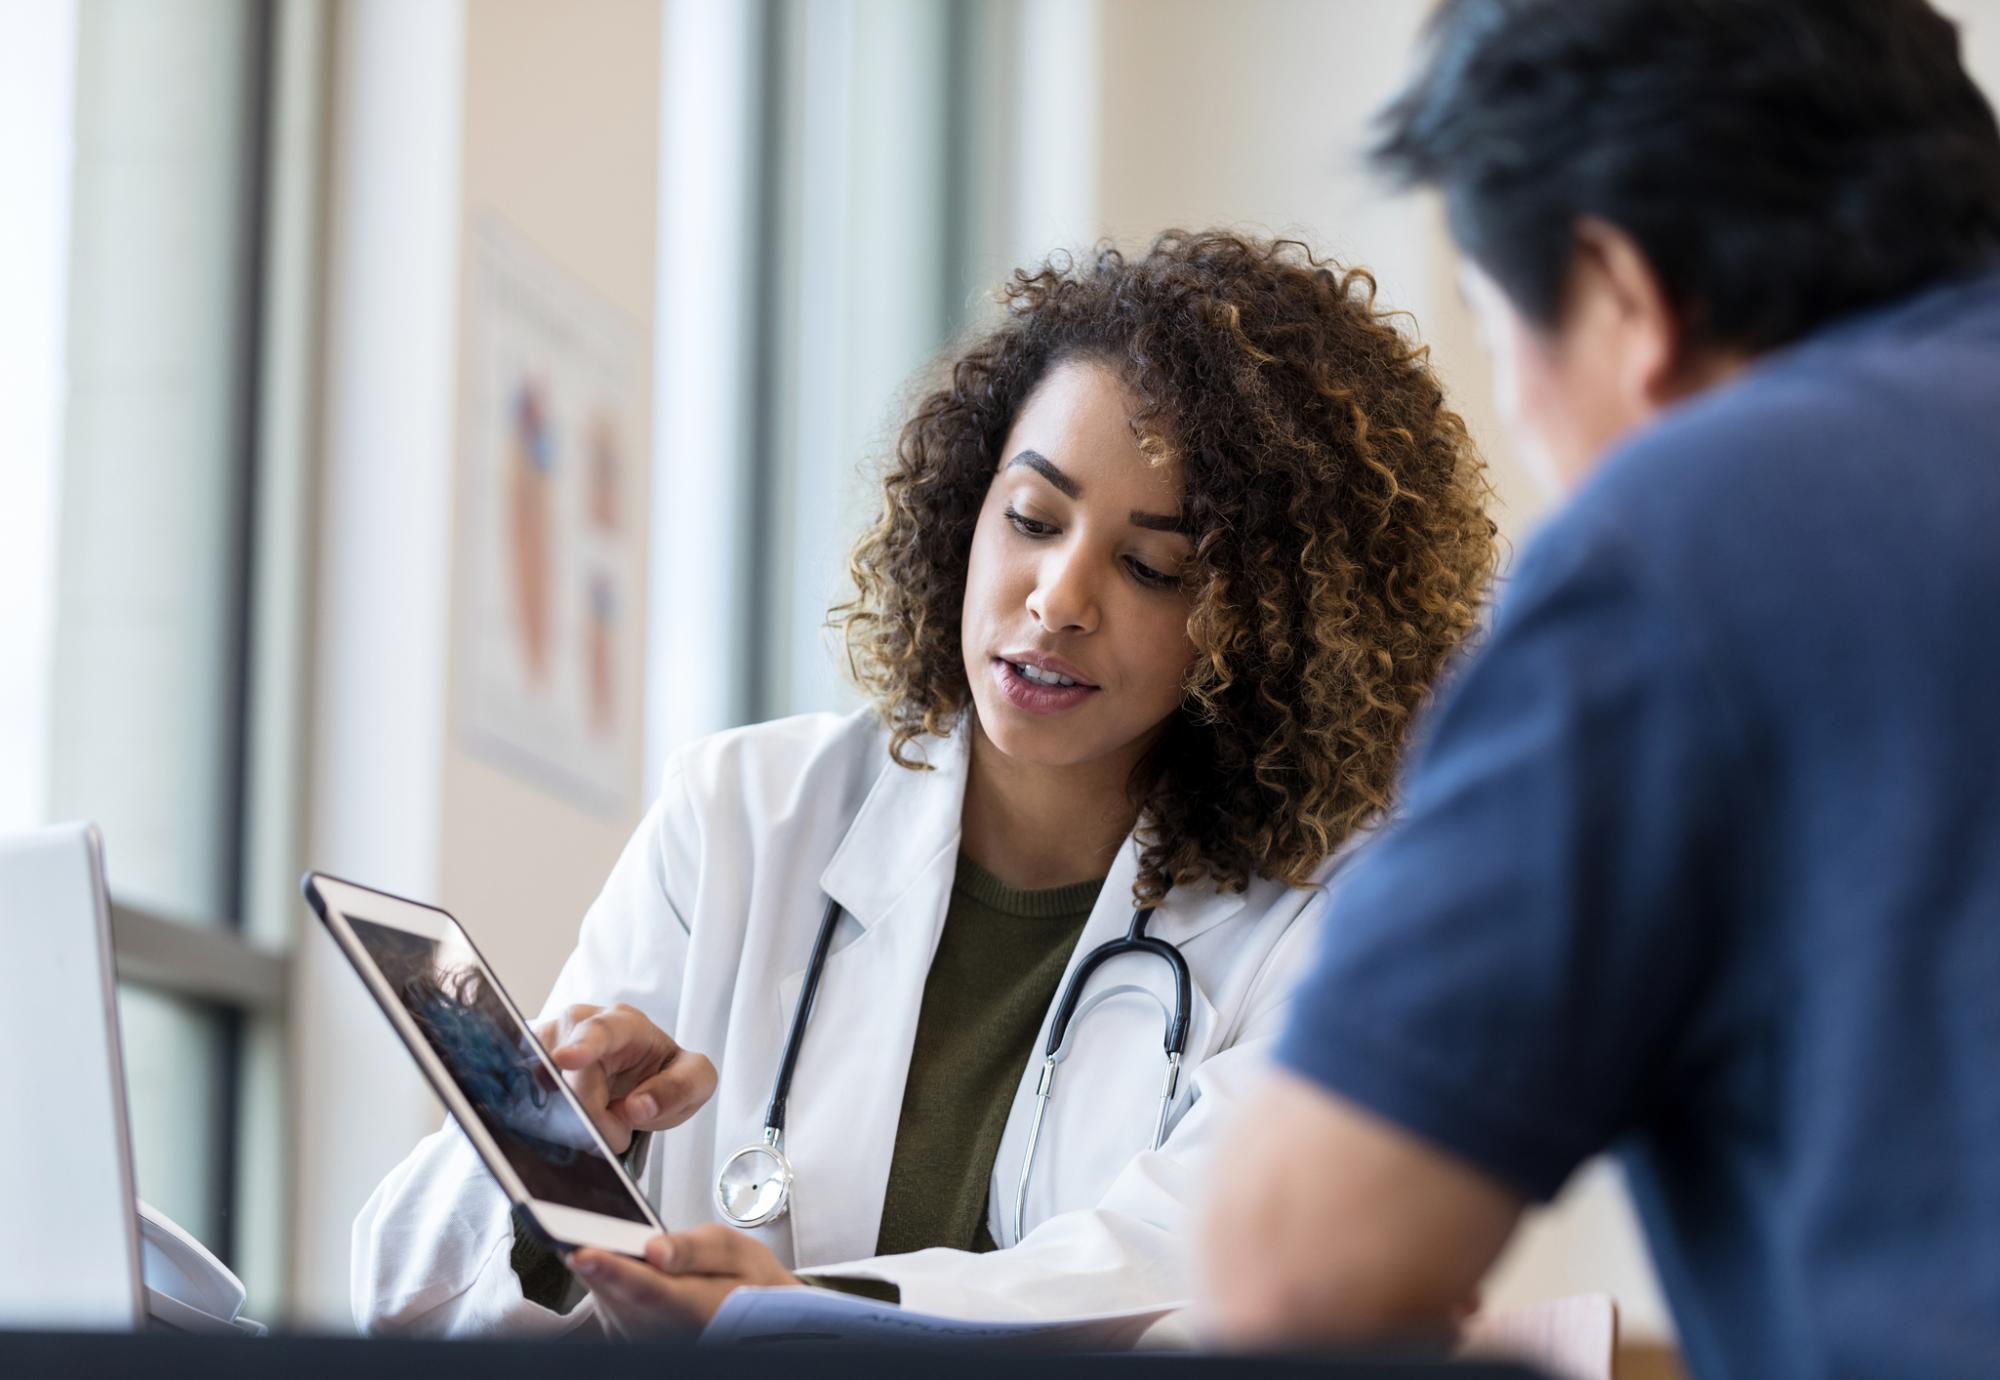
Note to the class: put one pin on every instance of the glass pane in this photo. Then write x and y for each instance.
(149, 559)
(176, 1068)
(37, 59)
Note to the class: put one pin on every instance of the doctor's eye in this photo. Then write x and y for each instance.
(1151, 578)
(1028, 527)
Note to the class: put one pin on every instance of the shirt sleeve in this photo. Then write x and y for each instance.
(1504, 970)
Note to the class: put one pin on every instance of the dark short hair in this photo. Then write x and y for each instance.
(1781, 163)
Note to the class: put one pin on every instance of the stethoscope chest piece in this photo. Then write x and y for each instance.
(755, 1185)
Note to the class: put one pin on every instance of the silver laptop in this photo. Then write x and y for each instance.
(69, 1240)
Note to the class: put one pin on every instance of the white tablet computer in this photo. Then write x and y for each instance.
(483, 1059)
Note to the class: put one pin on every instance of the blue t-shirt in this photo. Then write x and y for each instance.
(1700, 861)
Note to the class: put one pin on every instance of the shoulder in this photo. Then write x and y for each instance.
(763, 766)
(1749, 478)
(1849, 470)
(763, 795)
(1251, 964)
(1720, 498)
(1289, 917)
(1783, 419)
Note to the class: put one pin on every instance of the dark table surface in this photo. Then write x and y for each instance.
(154, 1356)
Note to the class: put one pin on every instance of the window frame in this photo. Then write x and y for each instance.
(236, 964)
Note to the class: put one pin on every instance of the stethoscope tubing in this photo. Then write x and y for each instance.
(781, 1090)
(1135, 940)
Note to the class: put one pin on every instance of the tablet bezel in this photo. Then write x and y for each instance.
(333, 899)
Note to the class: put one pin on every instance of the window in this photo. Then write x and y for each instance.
(826, 187)
(168, 711)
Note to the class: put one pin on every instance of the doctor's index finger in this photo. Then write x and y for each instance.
(555, 1032)
(611, 1035)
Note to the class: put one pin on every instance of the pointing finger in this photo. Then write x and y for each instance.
(588, 1042)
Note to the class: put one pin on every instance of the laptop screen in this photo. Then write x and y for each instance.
(71, 1257)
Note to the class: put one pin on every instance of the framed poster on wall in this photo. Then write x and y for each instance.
(554, 539)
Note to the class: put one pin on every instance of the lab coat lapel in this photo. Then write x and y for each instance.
(1184, 913)
(892, 876)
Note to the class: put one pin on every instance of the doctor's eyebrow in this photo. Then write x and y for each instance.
(1048, 469)
(1160, 522)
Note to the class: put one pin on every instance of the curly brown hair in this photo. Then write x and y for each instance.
(1337, 508)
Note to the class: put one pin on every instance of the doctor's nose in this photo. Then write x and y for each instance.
(1064, 598)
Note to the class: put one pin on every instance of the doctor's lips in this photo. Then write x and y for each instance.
(1040, 683)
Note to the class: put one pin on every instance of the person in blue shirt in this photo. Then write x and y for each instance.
(1698, 856)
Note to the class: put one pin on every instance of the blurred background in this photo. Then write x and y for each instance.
(419, 416)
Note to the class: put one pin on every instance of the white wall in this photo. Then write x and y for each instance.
(1057, 111)
(1979, 36)
(379, 707)
(695, 681)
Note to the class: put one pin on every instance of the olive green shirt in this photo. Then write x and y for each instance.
(991, 982)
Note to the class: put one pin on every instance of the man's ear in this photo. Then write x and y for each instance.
(1654, 353)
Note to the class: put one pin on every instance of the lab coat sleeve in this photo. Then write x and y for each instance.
(432, 1252)
(1135, 1248)
(431, 1249)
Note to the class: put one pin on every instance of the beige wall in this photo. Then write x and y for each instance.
(1256, 114)
(561, 144)
(445, 115)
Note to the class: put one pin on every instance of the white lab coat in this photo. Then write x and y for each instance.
(705, 925)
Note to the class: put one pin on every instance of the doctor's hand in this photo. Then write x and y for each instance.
(681, 1283)
(627, 1072)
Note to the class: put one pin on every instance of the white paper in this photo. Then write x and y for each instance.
(807, 1315)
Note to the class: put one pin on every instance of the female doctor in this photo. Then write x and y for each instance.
(1165, 564)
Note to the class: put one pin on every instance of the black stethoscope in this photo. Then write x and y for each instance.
(754, 1186)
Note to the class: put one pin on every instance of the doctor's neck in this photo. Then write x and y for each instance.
(1033, 825)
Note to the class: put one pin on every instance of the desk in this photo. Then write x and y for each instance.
(151, 1356)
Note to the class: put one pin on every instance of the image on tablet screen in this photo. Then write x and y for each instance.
(490, 1057)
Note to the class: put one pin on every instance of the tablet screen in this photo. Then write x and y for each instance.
(494, 1063)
